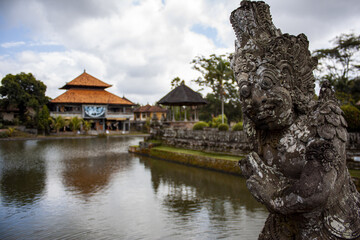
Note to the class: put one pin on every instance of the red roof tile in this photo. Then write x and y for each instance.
(149, 108)
(86, 80)
(91, 96)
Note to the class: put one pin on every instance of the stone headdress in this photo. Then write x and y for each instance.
(260, 43)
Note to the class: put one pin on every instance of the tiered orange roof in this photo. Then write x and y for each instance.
(90, 96)
(90, 90)
(86, 81)
(149, 108)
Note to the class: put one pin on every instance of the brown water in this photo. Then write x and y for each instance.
(94, 189)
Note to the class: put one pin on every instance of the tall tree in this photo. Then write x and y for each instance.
(58, 123)
(232, 109)
(75, 123)
(340, 65)
(43, 119)
(176, 82)
(217, 75)
(23, 91)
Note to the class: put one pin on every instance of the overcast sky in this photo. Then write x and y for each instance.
(139, 46)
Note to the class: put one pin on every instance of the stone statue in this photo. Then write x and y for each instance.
(298, 167)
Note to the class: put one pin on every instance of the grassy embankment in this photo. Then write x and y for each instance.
(355, 173)
(214, 161)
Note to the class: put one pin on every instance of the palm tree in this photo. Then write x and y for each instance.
(58, 123)
(75, 123)
(87, 126)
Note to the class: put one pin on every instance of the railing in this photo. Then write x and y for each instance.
(119, 115)
(66, 114)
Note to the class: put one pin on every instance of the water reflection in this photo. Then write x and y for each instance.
(22, 187)
(22, 179)
(186, 183)
(94, 189)
(88, 176)
(218, 203)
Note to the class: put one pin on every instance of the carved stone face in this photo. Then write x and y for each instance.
(264, 100)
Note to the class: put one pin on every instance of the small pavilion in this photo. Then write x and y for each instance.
(183, 96)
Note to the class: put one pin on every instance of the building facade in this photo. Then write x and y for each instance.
(86, 98)
(149, 112)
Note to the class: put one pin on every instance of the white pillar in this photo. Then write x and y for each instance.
(185, 118)
(173, 113)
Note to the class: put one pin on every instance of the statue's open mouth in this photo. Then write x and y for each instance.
(266, 114)
(268, 110)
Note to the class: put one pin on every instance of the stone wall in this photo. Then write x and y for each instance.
(212, 140)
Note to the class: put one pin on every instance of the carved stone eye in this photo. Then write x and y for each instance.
(245, 90)
(266, 83)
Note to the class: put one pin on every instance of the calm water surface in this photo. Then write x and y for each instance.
(94, 189)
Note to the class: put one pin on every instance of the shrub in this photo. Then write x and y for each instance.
(216, 121)
(223, 127)
(352, 117)
(75, 123)
(4, 134)
(200, 125)
(11, 131)
(238, 127)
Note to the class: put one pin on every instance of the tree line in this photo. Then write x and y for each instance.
(26, 95)
(339, 65)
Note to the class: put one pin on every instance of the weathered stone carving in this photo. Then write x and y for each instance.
(298, 170)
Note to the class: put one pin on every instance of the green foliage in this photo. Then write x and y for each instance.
(200, 126)
(232, 109)
(352, 117)
(146, 126)
(340, 66)
(11, 131)
(195, 153)
(75, 123)
(86, 126)
(238, 127)
(43, 119)
(176, 82)
(23, 91)
(57, 123)
(216, 121)
(219, 77)
(4, 134)
(216, 74)
(223, 127)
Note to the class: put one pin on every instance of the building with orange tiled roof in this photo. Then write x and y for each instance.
(149, 112)
(87, 98)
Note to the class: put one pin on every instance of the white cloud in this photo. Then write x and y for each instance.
(140, 46)
(12, 44)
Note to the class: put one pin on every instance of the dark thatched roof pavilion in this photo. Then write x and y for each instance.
(182, 96)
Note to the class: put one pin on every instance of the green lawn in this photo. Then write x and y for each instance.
(199, 153)
(355, 173)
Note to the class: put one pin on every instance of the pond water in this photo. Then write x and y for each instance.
(94, 189)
